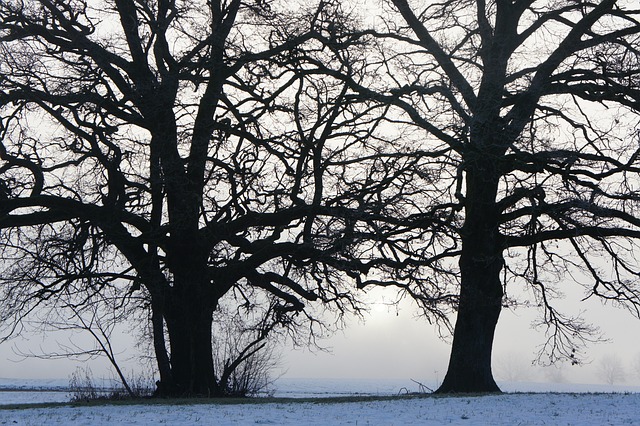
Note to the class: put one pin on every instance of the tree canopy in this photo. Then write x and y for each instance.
(475, 154)
(195, 152)
(525, 114)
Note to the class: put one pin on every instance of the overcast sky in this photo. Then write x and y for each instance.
(390, 345)
(402, 346)
(398, 346)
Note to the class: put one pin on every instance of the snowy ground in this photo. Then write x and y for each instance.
(614, 405)
(507, 409)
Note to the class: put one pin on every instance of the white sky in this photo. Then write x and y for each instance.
(392, 346)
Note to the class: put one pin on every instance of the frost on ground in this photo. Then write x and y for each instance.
(507, 409)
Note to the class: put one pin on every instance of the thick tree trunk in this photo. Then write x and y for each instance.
(480, 303)
(481, 289)
(188, 313)
(191, 352)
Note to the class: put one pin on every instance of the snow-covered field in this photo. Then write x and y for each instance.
(573, 407)
(507, 409)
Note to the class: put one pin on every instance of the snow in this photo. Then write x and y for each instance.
(33, 397)
(331, 387)
(33, 384)
(571, 407)
(327, 387)
(523, 409)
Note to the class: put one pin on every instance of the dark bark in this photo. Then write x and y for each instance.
(188, 314)
(470, 362)
(189, 321)
(160, 350)
(191, 355)
(481, 289)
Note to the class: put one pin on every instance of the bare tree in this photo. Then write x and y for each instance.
(204, 149)
(555, 374)
(92, 320)
(245, 352)
(190, 151)
(610, 369)
(635, 365)
(524, 115)
(512, 367)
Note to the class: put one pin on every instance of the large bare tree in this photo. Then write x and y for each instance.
(524, 115)
(189, 150)
(197, 150)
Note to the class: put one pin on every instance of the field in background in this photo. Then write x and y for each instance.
(30, 391)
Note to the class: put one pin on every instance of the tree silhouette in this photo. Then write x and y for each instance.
(610, 369)
(207, 150)
(192, 154)
(524, 115)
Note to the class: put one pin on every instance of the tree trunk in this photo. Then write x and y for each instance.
(470, 362)
(188, 313)
(160, 349)
(191, 353)
(481, 289)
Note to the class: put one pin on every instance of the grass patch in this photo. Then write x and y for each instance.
(218, 401)
(27, 406)
(276, 400)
